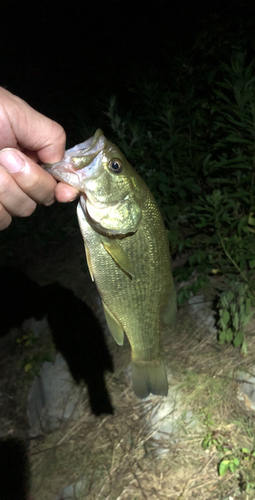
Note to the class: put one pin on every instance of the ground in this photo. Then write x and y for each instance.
(119, 454)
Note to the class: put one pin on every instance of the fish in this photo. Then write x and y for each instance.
(127, 252)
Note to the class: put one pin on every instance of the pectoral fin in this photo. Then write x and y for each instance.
(114, 327)
(119, 256)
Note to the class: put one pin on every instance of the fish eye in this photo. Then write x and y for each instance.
(115, 166)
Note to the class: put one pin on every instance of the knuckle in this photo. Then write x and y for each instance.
(58, 132)
(5, 182)
(49, 201)
(5, 218)
(27, 209)
(32, 181)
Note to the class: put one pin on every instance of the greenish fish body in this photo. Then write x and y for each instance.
(127, 253)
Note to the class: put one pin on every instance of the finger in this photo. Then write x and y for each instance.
(65, 193)
(30, 177)
(5, 218)
(13, 199)
(30, 129)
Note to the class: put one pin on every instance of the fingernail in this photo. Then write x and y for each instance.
(11, 161)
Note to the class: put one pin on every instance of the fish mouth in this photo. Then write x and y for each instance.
(84, 153)
(79, 162)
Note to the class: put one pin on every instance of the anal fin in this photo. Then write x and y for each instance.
(114, 327)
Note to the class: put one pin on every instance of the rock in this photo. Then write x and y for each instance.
(203, 309)
(35, 326)
(74, 492)
(246, 389)
(53, 397)
(166, 415)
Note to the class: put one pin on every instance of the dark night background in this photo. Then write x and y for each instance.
(66, 59)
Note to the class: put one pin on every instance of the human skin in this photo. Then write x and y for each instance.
(27, 138)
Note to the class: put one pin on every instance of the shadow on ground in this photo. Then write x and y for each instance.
(14, 470)
(76, 332)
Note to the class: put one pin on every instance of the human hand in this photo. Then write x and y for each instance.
(27, 138)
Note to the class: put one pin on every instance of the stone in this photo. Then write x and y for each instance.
(203, 311)
(53, 397)
(246, 389)
(74, 491)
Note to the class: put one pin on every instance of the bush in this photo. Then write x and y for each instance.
(193, 142)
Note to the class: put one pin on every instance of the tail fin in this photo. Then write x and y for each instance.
(149, 376)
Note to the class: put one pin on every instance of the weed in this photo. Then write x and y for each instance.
(193, 143)
(32, 361)
(238, 461)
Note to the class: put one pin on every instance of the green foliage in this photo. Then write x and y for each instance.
(33, 364)
(32, 361)
(242, 462)
(213, 438)
(27, 340)
(236, 460)
(231, 464)
(193, 143)
(234, 313)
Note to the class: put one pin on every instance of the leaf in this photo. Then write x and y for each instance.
(245, 450)
(238, 340)
(206, 443)
(247, 318)
(230, 296)
(222, 337)
(215, 271)
(223, 467)
(247, 305)
(164, 187)
(229, 335)
(27, 367)
(226, 316)
(244, 348)
(236, 321)
(251, 219)
(232, 465)
(222, 96)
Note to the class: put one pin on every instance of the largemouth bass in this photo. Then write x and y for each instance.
(127, 253)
